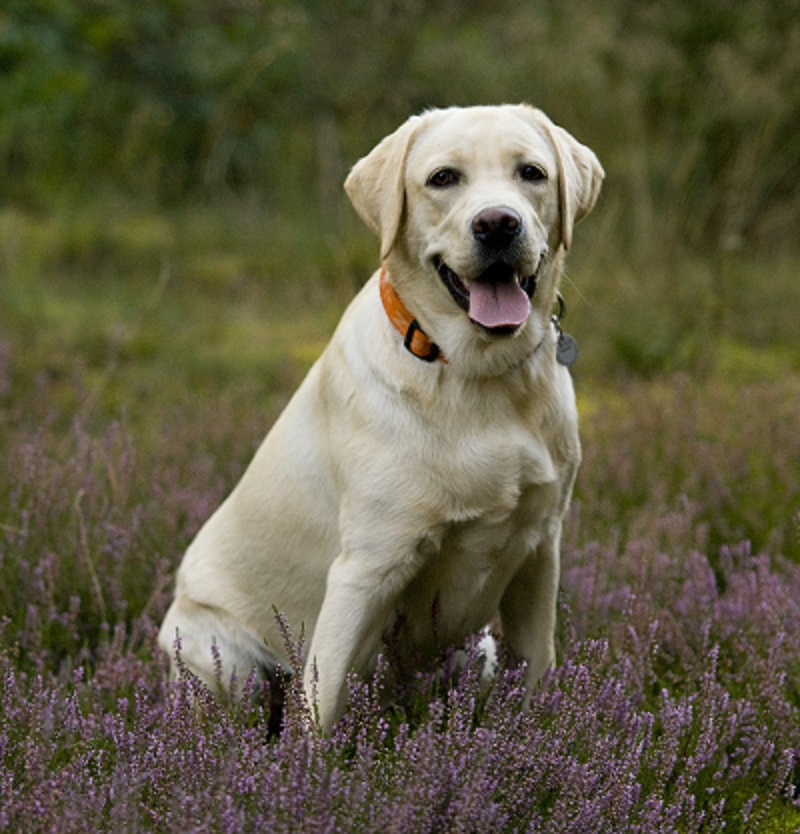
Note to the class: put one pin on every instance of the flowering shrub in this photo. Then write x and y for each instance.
(674, 706)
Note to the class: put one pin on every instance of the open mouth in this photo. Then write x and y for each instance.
(497, 300)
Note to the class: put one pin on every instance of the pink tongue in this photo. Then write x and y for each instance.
(498, 303)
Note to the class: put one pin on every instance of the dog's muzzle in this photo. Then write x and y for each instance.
(498, 299)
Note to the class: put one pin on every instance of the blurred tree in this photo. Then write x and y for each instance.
(693, 106)
(158, 97)
(720, 89)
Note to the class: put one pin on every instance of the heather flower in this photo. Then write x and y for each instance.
(673, 707)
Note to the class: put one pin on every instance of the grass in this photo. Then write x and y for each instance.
(142, 358)
(150, 309)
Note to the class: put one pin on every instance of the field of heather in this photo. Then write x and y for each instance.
(130, 405)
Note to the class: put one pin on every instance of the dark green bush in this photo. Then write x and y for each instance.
(693, 107)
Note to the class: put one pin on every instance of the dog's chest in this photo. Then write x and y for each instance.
(498, 493)
(482, 475)
(467, 564)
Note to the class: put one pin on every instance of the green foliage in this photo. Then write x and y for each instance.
(153, 96)
(693, 107)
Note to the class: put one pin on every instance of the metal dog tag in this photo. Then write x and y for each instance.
(566, 349)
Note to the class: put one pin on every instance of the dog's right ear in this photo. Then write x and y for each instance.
(580, 174)
(376, 184)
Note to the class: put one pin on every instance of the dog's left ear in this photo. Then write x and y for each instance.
(580, 176)
(376, 184)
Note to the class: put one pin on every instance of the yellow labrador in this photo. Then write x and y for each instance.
(417, 481)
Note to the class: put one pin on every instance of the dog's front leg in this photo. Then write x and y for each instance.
(528, 610)
(358, 600)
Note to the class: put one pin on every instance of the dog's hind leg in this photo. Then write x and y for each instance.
(215, 647)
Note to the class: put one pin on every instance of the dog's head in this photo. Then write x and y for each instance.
(472, 206)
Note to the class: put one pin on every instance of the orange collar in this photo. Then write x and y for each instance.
(414, 339)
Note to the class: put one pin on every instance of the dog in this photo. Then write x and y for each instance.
(416, 482)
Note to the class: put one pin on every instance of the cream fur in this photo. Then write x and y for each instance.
(394, 488)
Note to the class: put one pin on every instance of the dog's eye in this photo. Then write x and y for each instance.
(444, 177)
(532, 173)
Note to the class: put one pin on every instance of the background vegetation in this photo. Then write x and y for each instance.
(206, 142)
(175, 249)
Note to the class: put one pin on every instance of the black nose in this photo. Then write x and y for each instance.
(496, 227)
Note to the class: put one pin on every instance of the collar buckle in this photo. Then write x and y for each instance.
(408, 342)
